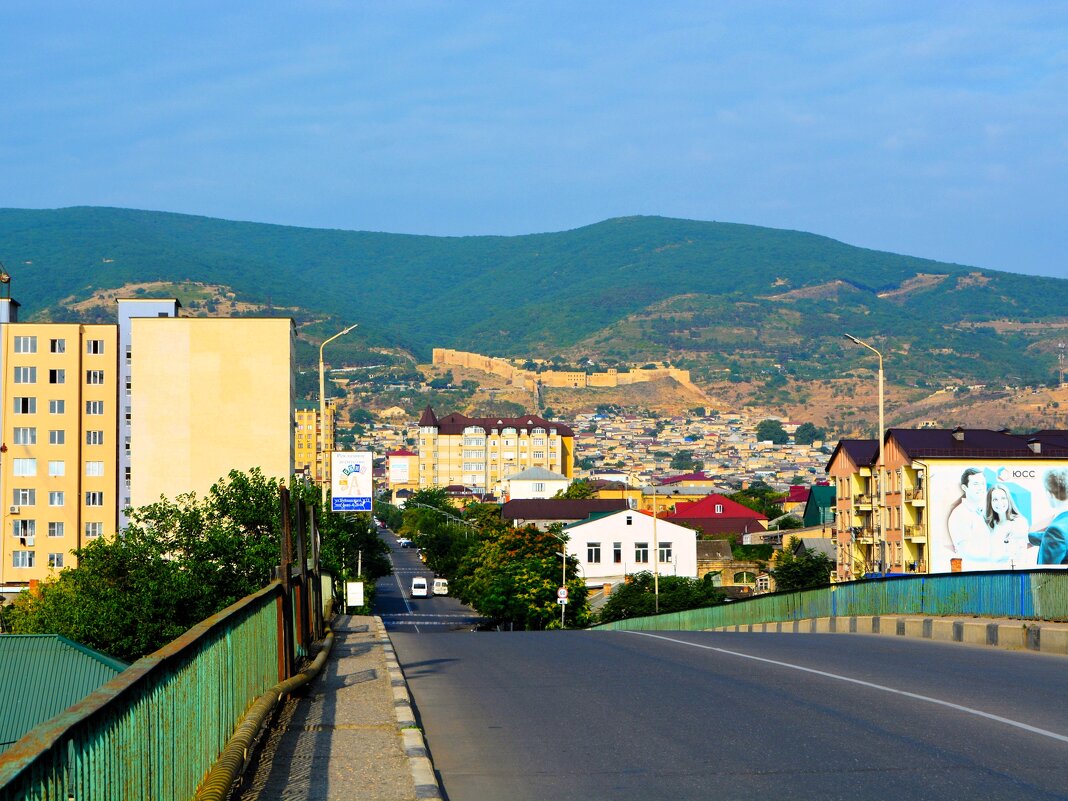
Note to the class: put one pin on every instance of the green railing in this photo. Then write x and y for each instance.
(1024, 594)
(155, 730)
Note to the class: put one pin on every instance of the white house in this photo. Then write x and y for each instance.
(611, 546)
(534, 482)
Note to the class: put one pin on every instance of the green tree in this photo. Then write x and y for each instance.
(578, 490)
(801, 571)
(684, 460)
(772, 430)
(807, 433)
(636, 598)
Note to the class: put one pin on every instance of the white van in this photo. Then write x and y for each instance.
(441, 586)
(419, 588)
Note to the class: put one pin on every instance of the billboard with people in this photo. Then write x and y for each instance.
(998, 516)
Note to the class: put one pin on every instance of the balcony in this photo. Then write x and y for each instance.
(916, 533)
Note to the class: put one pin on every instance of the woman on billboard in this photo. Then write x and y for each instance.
(1053, 541)
(1008, 527)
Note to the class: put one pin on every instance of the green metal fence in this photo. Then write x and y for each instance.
(155, 730)
(1024, 594)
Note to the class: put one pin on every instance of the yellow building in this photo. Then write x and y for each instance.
(307, 455)
(479, 452)
(210, 395)
(58, 465)
(98, 417)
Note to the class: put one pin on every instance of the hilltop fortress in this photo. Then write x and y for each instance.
(530, 380)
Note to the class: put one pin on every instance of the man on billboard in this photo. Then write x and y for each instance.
(1053, 541)
(969, 535)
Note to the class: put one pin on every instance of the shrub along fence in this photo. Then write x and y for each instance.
(1024, 594)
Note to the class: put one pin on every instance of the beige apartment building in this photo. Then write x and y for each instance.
(98, 417)
(307, 431)
(480, 452)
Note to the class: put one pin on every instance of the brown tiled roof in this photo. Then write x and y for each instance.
(973, 442)
(560, 508)
(455, 423)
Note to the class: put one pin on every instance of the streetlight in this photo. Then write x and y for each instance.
(563, 583)
(656, 561)
(320, 440)
(882, 464)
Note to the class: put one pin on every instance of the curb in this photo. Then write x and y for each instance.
(426, 783)
(1049, 638)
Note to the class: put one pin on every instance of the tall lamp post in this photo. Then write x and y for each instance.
(882, 463)
(656, 561)
(320, 440)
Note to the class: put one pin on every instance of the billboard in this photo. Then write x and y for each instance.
(998, 515)
(350, 481)
(399, 472)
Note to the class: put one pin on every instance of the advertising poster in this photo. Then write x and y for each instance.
(998, 516)
(398, 471)
(350, 481)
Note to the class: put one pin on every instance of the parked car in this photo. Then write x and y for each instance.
(419, 588)
(404, 542)
(441, 586)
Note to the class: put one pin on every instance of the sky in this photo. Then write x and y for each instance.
(937, 130)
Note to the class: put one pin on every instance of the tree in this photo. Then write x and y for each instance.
(801, 571)
(636, 597)
(772, 430)
(577, 490)
(807, 433)
(684, 460)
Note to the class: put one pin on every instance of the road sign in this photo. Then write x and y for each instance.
(562, 601)
(562, 593)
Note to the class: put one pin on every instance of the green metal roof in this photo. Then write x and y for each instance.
(41, 676)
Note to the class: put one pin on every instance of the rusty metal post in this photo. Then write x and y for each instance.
(317, 580)
(285, 640)
(303, 617)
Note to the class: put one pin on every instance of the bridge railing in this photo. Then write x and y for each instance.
(1024, 594)
(155, 730)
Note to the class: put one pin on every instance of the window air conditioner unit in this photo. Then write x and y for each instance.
(15, 510)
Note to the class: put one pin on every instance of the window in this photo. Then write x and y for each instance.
(94, 469)
(617, 552)
(539, 454)
(57, 407)
(719, 508)
(665, 552)
(55, 529)
(763, 583)
(745, 578)
(537, 431)
(24, 528)
(24, 467)
(539, 486)
(57, 436)
(24, 497)
(25, 344)
(94, 376)
(57, 376)
(25, 436)
(25, 405)
(641, 552)
(55, 560)
(630, 520)
(94, 346)
(55, 498)
(593, 553)
(25, 375)
(94, 498)
(94, 437)
(22, 558)
(57, 345)
(93, 530)
(94, 407)
(57, 467)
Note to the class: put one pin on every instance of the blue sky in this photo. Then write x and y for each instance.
(931, 129)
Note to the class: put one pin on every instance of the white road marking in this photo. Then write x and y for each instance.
(400, 589)
(967, 709)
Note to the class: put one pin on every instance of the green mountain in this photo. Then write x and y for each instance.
(711, 296)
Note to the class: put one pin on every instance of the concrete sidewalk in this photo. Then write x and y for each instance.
(351, 734)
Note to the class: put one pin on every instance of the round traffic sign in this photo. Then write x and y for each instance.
(561, 593)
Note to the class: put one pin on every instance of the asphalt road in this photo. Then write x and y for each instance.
(705, 715)
(399, 612)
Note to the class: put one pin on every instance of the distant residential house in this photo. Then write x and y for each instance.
(534, 482)
(44, 674)
(717, 515)
(820, 506)
(696, 479)
(609, 547)
(544, 512)
(714, 556)
(796, 498)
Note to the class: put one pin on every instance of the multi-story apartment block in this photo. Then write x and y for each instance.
(97, 417)
(308, 432)
(58, 465)
(952, 500)
(480, 452)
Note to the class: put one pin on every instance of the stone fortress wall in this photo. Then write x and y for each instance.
(529, 380)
